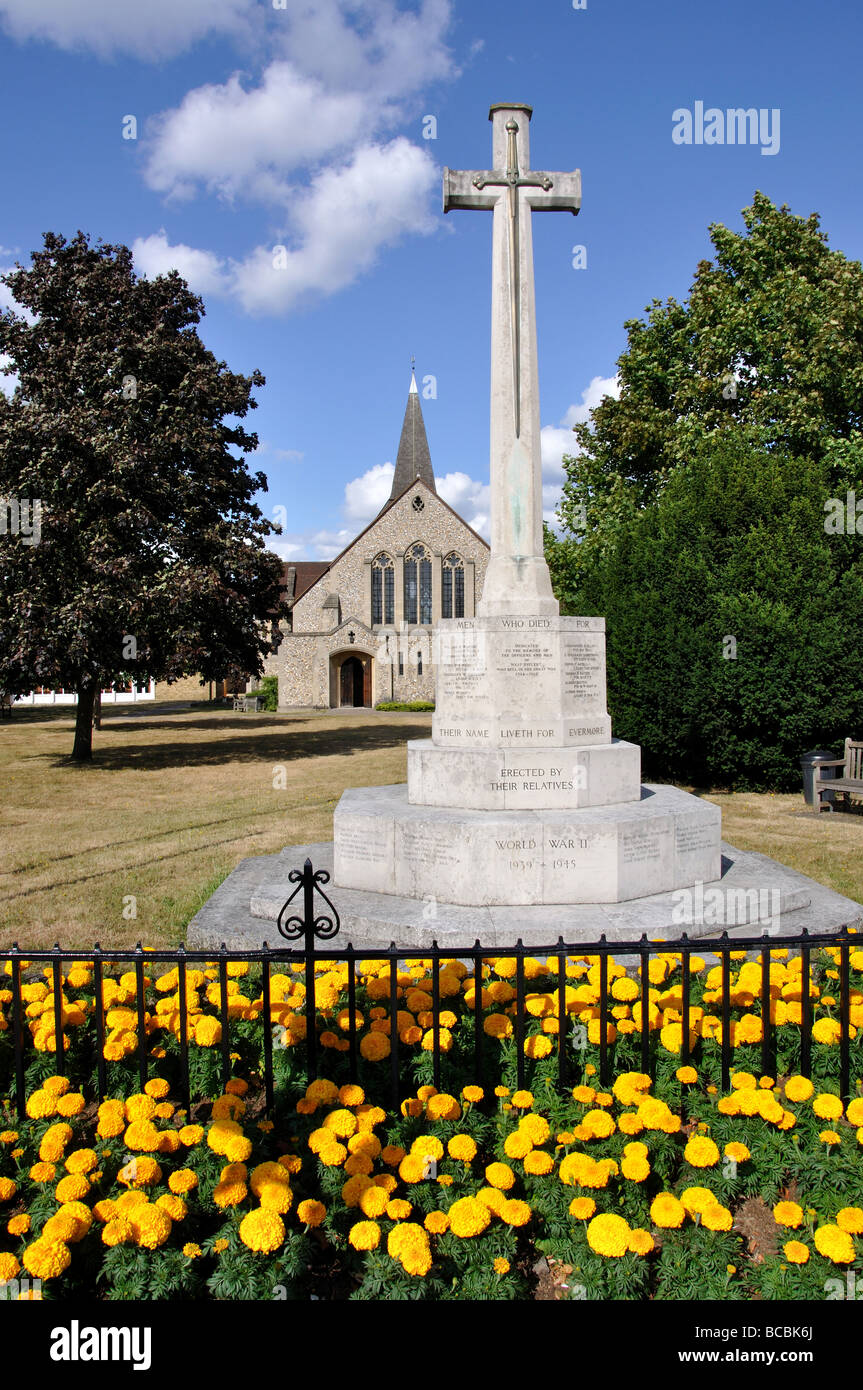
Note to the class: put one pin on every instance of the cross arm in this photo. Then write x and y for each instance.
(459, 190)
(563, 196)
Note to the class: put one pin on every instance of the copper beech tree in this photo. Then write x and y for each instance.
(151, 561)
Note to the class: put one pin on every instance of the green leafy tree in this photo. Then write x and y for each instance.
(769, 345)
(152, 559)
(732, 618)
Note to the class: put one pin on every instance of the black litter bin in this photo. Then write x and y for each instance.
(809, 762)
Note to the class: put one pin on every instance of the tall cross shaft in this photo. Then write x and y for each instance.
(517, 580)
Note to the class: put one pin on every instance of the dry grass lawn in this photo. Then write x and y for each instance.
(173, 801)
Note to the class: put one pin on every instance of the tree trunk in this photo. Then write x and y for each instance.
(97, 707)
(82, 751)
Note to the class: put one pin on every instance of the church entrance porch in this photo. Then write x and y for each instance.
(350, 681)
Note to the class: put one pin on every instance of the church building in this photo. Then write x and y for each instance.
(361, 626)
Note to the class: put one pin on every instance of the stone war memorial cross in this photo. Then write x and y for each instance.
(521, 797)
(518, 573)
(521, 816)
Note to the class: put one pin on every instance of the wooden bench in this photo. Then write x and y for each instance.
(849, 782)
(248, 704)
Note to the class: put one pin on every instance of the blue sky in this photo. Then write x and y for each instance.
(303, 127)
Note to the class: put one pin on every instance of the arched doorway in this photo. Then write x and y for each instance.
(351, 685)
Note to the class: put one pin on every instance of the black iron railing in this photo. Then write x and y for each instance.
(314, 928)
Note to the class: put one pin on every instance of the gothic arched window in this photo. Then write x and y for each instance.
(383, 590)
(452, 587)
(418, 585)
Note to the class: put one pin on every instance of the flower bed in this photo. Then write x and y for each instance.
(640, 1188)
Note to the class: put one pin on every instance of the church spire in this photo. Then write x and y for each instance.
(413, 459)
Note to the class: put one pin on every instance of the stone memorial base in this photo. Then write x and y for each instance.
(752, 895)
(599, 854)
(516, 779)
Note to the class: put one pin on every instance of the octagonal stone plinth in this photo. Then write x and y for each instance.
(666, 840)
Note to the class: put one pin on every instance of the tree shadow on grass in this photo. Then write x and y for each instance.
(285, 744)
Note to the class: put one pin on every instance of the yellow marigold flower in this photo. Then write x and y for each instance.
(608, 1235)
(118, 1230)
(788, 1214)
(826, 1030)
(226, 1108)
(413, 1168)
(322, 1091)
(796, 1252)
(538, 1163)
(462, 1147)
(392, 1155)
(850, 1219)
(374, 1046)
(230, 1193)
(701, 1152)
(157, 1088)
(515, 1212)
(738, 1152)
(365, 1235)
(73, 1188)
(829, 1136)
(398, 1209)
(373, 1201)
(183, 1180)
(469, 1217)
(18, 1226)
(827, 1107)
(598, 1124)
(522, 1100)
(687, 1076)
(443, 1107)
(57, 1085)
(437, 1222)
(42, 1172)
(492, 1198)
(630, 1123)
(518, 1144)
(310, 1212)
(667, 1211)
(428, 1146)
(341, 1122)
(641, 1242)
(698, 1199)
(835, 1244)
(500, 1265)
(474, 1094)
(262, 1231)
(584, 1094)
(635, 1169)
(40, 1105)
(743, 1081)
(46, 1259)
(409, 1243)
(173, 1205)
(497, 1026)
(582, 1208)
(192, 1251)
(717, 1218)
(500, 1175)
(9, 1267)
(8, 1188)
(220, 1245)
(854, 1113)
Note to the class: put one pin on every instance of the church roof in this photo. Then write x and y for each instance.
(413, 459)
(298, 576)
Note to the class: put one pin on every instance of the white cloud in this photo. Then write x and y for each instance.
(237, 142)
(557, 440)
(268, 450)
(203, 270)
(340, 225)
(364, 496)
(157, 29)
(369, 45)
